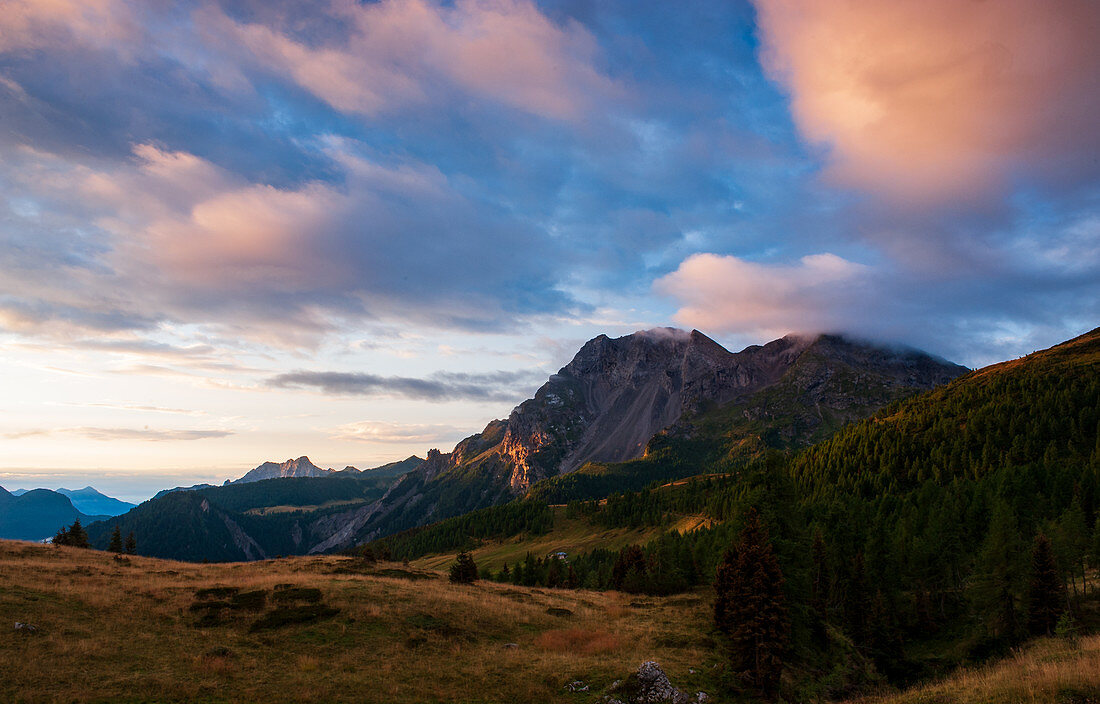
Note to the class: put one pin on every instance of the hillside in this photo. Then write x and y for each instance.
(246, 521)
(137, 630)
(141, 629)
(37, 514)
(615, 396)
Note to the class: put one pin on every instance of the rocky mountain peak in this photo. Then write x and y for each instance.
(300, 467)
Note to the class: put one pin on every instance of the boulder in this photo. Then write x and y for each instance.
(650, 685)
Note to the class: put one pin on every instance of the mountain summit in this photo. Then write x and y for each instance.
(610, 401)
(300, 467)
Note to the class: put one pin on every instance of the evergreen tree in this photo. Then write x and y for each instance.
(75, 536)
(464, 571)
(1046, 593)
(750, 607)
(116, 541)
(131, 544)
(996, 580)
(857, 603)
(819, 588)
(629, 572)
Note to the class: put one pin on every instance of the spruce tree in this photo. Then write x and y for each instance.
(464, 571)
(819, 588)
(116, 541)
(996, 579)
(131, 544)
(857, 602)
(750, 607)
(1046, 593)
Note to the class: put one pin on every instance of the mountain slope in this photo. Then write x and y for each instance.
(248, 521)
(608, 403)
(37, 514)
(92, 502)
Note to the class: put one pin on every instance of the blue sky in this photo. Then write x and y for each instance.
(238, 231)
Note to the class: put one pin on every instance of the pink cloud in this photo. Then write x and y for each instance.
(36, 24)
(728, 295)
(400, 52)
(927, 101)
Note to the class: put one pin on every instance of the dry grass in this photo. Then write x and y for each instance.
(123, 632)
(578, 640)
(1047, 672)
(570, 535)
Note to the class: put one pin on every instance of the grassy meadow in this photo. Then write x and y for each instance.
(572, 535)
(137, 631)
(331, 629)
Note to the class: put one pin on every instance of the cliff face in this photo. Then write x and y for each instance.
(617, 394)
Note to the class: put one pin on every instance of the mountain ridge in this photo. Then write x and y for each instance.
(607, 404)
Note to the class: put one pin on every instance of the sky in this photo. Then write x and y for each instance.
(234, 231)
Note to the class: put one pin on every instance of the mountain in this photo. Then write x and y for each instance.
(37, 514)
(92, 502)
(19, 492)
(249, 520)
(193, 487)
(300, 467)
(909, 535)
(616, 395)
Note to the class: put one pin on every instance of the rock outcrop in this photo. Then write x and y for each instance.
(650, 685)
(300, 467)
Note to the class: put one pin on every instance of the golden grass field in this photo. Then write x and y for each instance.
(125, 631)
(571, 535)
(111, 631)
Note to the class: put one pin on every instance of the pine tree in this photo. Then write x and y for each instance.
(464, 571)
(116, 541)
(857, 603)
(996, 580)
(75, 536)
(131, 544)
(819, 588)
(1046, 593)
(750, 607)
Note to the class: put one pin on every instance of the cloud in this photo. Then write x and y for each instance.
(35, 24)
(399, 433)
(441, 386)
(1016, 304)
(401, 52)
(939, 101)
(724, 294)
(116, 434)
(393, 240)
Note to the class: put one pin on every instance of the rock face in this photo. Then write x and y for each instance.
(300, 467)
(610, 401)
(650, 685)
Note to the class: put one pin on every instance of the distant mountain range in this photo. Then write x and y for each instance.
(38, 514)
(254, 519)
(302, 467)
